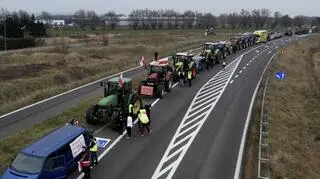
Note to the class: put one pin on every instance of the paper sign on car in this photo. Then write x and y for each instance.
(76, 145)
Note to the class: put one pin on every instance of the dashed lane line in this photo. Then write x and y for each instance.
(231, 81)
(236, 76)
(244, 67)
(170, 168)
(240, 71)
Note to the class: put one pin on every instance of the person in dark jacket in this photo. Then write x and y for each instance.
(85, 162)
(148, 109)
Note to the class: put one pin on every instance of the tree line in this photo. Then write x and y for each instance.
(158, 19)
(20, 24)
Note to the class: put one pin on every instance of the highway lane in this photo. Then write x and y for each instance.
(138, 157)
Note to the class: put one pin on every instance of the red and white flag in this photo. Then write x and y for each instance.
(121, 81)
(143, 62)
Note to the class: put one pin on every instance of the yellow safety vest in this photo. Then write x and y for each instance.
(130, 108)
(143, 116)
(189, 75)
(94, 148)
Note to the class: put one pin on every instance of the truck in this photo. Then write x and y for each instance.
(118, 94)
(159, 80)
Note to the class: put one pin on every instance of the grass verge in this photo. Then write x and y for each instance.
(293, 109)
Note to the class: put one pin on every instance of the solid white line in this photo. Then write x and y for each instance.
(240, 71)
(244, 134)
(231, 81)
(236, 76)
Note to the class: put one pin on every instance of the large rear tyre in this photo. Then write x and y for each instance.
(160, 91)
(90, 115)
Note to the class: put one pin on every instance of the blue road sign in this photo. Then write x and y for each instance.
(280, 75)
(102, 142)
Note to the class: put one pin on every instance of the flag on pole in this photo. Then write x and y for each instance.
(121, 81)
(143, 62)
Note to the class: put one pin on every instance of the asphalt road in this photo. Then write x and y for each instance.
(192, 137)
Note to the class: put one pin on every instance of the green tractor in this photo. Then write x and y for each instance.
(216, 54)
(116, 100)
(183, 62)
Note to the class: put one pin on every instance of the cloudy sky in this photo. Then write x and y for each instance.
(291, 7)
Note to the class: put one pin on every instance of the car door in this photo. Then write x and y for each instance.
(55, 168)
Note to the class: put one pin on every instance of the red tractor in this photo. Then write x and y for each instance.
(159, 81)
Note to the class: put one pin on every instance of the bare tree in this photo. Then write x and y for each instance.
(223, 20)
(160, 20)
(245, 18)
(298, 20)
(286, 20)
(208, 20)
(188, 19)
(277, 19)
(233, 20)
(134, 18)
(112, 19)
(153, 18)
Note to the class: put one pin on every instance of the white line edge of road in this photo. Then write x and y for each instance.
(244, 134)
(39, 102)
(119, 137)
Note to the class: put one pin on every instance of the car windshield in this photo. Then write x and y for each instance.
(24, 163)
(210, 46)
(181, 58)
(155, 69)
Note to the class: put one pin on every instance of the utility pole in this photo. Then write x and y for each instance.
(5, 33)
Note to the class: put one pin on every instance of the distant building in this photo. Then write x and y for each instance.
(54, 23)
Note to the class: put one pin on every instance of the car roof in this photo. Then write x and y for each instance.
(53, 141)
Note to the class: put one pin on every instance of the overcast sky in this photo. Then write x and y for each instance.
(291, 7)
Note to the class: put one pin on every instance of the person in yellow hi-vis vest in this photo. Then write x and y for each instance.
(93, 152)
(143, 118)
(189, 77)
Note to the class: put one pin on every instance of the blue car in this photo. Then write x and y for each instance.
(52, 156)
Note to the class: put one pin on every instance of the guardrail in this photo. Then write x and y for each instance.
(263, 157)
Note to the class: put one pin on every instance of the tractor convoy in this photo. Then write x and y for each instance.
(163, 73)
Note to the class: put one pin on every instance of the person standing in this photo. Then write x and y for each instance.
(93, 151)
(129, 125)
(189, 77)
(85, 162)
(143, 118)
(224, 63)
(148, 111)
(181, 78)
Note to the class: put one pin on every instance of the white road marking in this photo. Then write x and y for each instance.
(269, 52)
(244, 67)
(231, 81)
(240, 71)
(250, 61)
(257, 51)
(236, 76)
(247, 64)
(121, 136)
(244, 134)
(161, 169)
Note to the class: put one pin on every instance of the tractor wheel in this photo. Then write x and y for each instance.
(169, 85)
(137, 103)
(160, 91)
(90, 118)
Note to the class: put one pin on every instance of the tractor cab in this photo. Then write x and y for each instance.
(211, 47)
(113, 86)
(182, 61)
